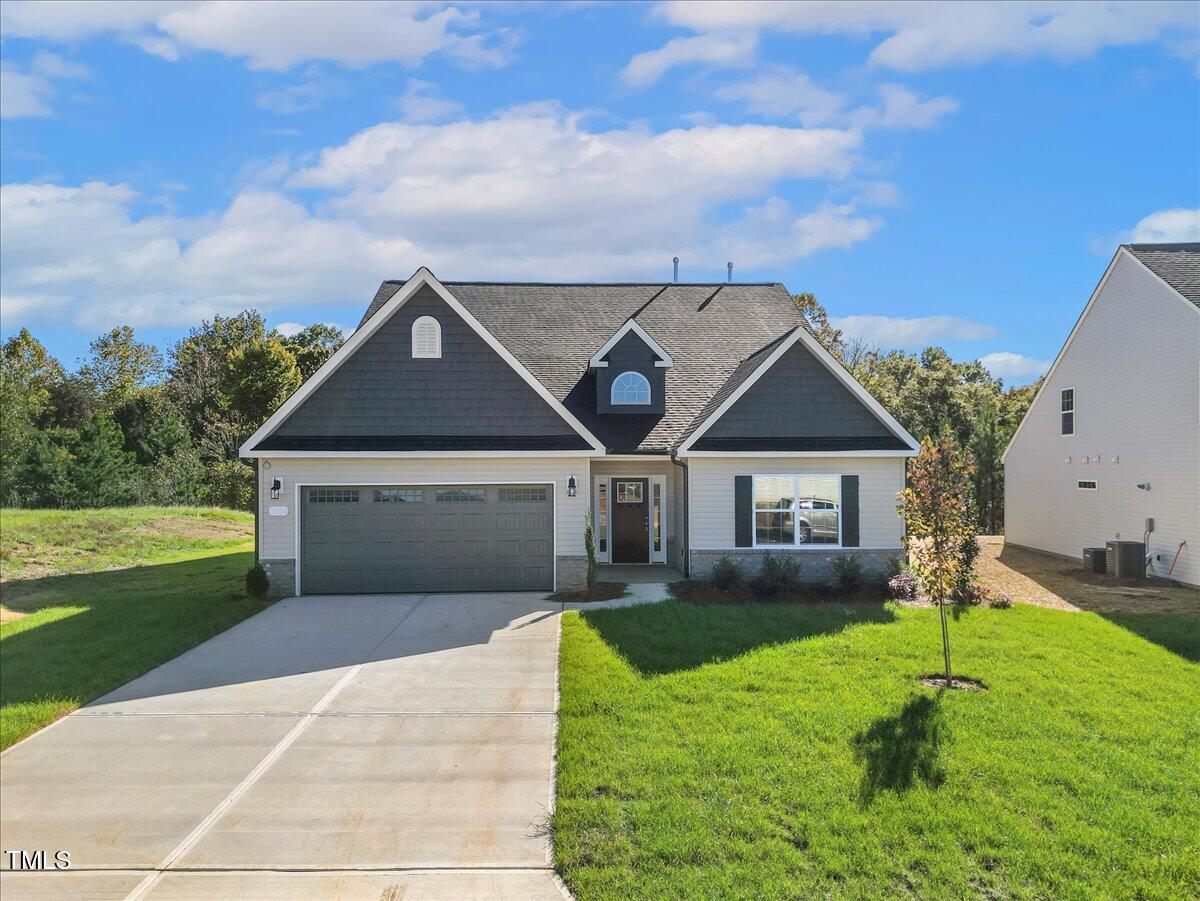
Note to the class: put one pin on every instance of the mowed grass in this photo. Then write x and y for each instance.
(774, 751)
(87, 627)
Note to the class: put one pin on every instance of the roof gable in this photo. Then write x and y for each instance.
(631, 326)
(1176, 264)
(372, 395)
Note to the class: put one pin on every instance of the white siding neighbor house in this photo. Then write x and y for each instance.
(1112, 438)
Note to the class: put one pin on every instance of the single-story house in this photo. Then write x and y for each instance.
(1110, 447)
(467, 432)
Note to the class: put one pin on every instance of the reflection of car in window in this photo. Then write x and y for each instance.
(816, 521)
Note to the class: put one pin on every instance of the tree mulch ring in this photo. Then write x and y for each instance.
(957, 683)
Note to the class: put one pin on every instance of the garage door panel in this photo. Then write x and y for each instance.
(395, 538)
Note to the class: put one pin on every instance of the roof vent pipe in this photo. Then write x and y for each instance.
(729, 272)
(675, 277)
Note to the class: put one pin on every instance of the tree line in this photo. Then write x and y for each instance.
(935, 397)
(129, 425)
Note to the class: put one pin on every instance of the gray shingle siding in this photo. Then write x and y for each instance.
(382, 391)
(797, 397)
(631, 354)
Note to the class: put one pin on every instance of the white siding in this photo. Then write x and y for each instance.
(1135, 366)
(880, 479)
(277, 534)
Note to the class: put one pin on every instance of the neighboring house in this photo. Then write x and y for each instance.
(1113, 436)
(461, 437)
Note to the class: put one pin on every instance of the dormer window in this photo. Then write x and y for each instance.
(426, 339)
(631, 388)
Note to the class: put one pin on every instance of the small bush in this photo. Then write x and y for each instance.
(849, 572)
(777, 576)
(1000, 601)
(257, 582)
(727, 575)
(895, 566)
(969, 594)
(902, 586)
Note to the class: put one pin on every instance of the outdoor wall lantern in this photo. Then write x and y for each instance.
(571, 486)
(276, 485)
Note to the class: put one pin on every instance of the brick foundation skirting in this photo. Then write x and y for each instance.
(816, 565)
(282, 574)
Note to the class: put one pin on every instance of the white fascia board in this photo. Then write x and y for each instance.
(664, 359)
(1112, 264)
(802, 335)
(420, 278)
(850, 453)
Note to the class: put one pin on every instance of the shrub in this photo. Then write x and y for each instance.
(257, 582)
(777, 575)
(727, 575)
(895, 566)
(1000, 601)
(902, 586)
(230, 483)
(589, 544)
(849, 572)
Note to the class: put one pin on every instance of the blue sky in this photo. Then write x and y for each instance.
(949, 174)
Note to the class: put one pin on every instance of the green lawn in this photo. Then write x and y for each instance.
(75, 626)
(789, 751)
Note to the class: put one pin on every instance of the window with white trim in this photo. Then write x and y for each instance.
(1068, 411)
(426, 339)
(797, 510)
(631, 388)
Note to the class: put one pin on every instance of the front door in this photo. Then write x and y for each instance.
(630, 521)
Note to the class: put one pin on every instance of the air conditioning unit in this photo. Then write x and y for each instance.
(1095, 559)
(1126, 559)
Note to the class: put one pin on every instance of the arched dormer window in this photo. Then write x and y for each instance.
(426, 339)
(631, 388)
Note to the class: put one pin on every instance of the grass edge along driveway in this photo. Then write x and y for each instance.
(788, 751)
(74, 636)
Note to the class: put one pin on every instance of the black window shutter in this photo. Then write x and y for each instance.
(850, 511)
(743, 518)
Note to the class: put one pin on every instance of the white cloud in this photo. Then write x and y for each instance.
(781, 91)
(784, 92)
(302, 97)
(276, 35)
(912, 333)
(928, 35)
(27, 94)
(1167, 226)
(1005, 365)
(904, 109)
(725, 50)
(420, 103)
(528, 192)
(291, 329)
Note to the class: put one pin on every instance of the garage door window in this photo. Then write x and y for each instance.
(399, 496)
(522, 495)
(333, 496)
(462, 495)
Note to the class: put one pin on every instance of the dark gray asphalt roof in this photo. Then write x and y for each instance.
(714, 333)
(1176, 264)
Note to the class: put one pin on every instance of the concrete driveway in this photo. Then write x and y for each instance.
(382, 747)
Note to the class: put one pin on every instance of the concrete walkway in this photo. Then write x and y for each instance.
(330, 747)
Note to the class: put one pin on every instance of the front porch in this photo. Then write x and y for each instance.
(637, 512)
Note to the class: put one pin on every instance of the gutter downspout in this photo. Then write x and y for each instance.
(687, 519)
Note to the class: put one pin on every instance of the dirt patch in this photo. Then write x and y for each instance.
(7, 616)
(957, 683)
(198, 528)
(1047, 580)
